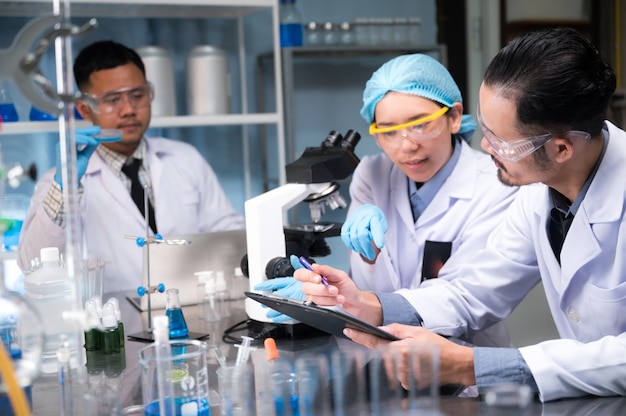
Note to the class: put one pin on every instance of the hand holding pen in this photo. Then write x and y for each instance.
(308, 266)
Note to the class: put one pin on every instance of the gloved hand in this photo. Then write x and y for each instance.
(367, 223)
(85, 146)
(283, 286)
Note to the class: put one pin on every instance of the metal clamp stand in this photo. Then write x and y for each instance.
(149, 290)
(22, 66)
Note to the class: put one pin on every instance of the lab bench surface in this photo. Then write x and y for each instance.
(47, 398)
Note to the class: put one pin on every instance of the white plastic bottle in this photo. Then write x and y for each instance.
(49, 290)
(203, 277)
(240, 284)
(222, 295)
(211, 310)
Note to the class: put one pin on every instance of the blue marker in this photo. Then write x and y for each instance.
(308, 266)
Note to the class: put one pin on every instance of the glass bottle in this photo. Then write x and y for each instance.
(291, 31)
(177, 323)
(222, 295)
(209, 303)
(111, 335)
(118, 317)
(50, 290)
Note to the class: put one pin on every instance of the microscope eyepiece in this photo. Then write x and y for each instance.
(352, 139)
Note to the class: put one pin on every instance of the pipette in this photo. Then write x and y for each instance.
(244, 351)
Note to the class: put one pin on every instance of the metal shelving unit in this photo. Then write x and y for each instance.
(217, 9)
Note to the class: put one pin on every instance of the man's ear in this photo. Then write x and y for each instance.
(564, 149)
(84, 110)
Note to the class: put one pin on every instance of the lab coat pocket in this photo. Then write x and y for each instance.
(607, 305)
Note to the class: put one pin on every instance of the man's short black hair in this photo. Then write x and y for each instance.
(105, 54)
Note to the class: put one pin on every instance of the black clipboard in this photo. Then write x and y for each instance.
(328, 320)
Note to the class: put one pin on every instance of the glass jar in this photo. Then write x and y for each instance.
(330, 34)
(313, 31)
(346, 34)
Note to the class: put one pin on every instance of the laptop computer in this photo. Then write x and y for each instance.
(175, 265)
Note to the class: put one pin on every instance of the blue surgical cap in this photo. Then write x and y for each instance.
(419, 75)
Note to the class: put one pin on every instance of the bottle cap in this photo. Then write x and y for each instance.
(116, 308)
(108, 316)
(271, 352)
(49, 254)
(204, 276)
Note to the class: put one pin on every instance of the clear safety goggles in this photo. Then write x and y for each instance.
(515, 150)
(417, 130)
(112, 101)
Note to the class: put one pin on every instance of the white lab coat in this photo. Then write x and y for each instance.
(188, 199)
(586, 295)
(465, 210)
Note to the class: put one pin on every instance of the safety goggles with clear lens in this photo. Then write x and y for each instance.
(515, 150)
(112, 101)
(417, 130)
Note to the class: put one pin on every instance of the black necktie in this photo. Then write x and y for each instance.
(131, 170)
(558, 228)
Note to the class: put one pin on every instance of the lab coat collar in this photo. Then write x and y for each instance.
(603, 203)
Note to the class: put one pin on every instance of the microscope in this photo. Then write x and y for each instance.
(312, 179)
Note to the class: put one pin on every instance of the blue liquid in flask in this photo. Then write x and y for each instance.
(178, 326)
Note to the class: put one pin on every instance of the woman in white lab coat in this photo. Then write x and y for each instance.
(462, 199)
(542, 108)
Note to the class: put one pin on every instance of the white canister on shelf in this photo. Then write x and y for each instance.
(160, 72)
(208, 81)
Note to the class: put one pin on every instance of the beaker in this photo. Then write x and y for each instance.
(188, 375)
(314, 397)
(416, 368)
(236, 387)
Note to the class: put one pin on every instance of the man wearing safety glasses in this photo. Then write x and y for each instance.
(183, 191)
(427, 203)
(542, 110)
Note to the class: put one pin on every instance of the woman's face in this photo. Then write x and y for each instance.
(419, 151)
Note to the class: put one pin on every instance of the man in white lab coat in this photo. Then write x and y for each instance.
(542, 110)
(184, 193)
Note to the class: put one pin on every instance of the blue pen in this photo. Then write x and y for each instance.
(308, 266)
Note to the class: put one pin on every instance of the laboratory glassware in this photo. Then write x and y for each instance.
(50, 290)
(291, 31)
(186, 372)
(177, 323)
(22, 337)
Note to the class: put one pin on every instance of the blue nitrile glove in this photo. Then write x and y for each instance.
(366, 224)
(287, 287)
(85, 146)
